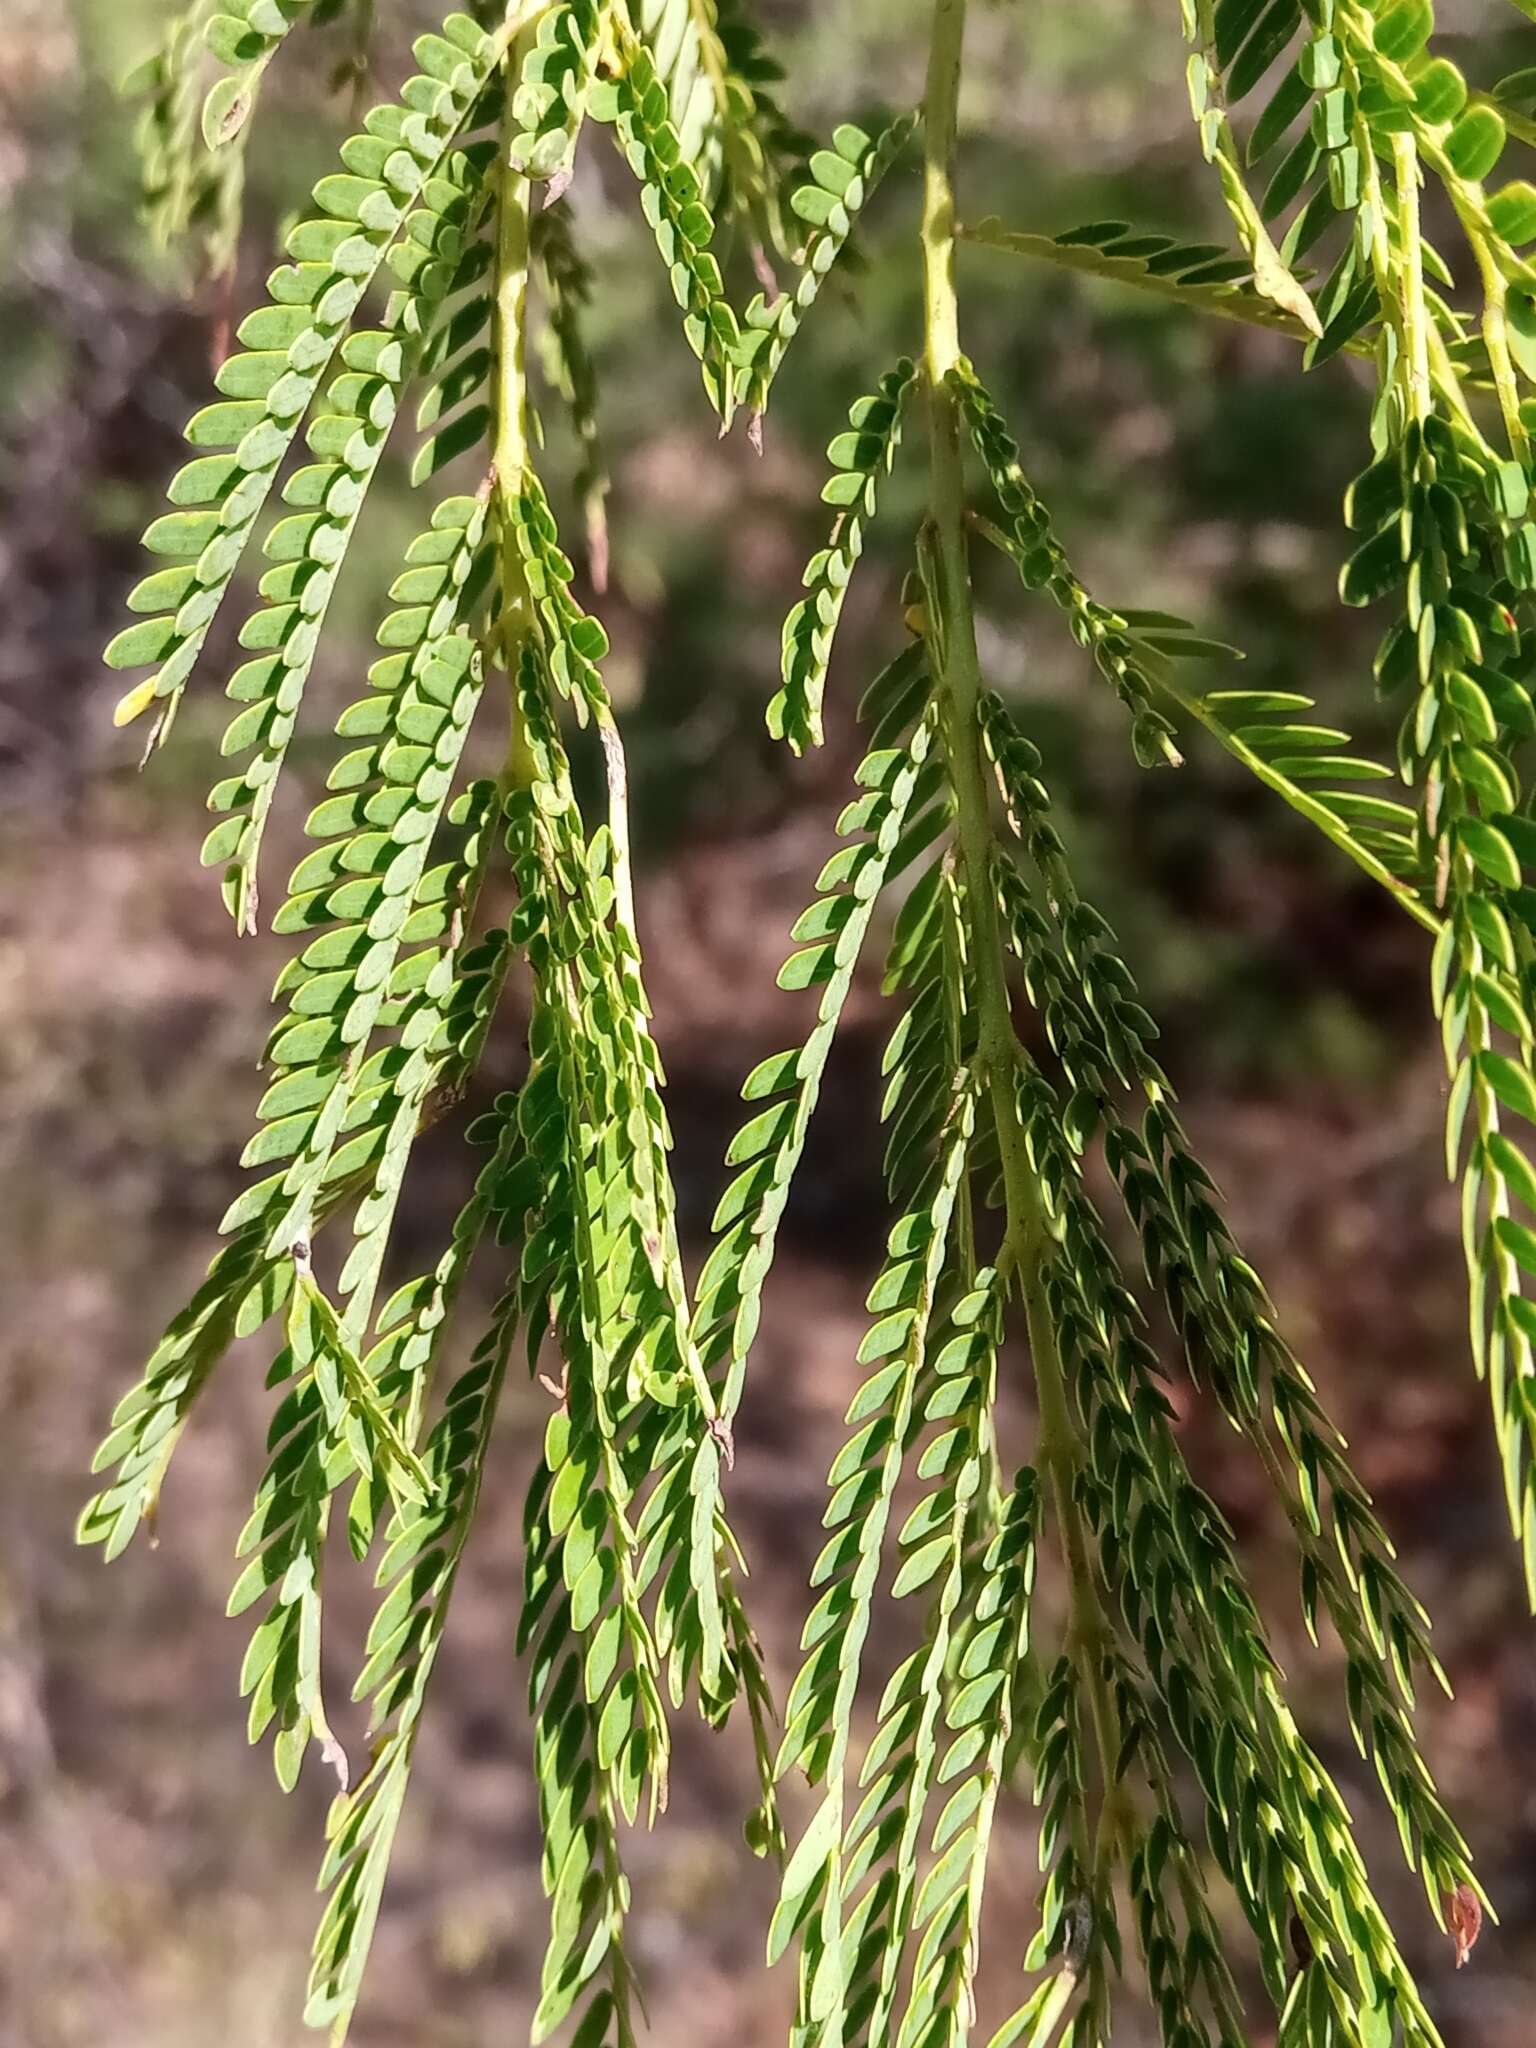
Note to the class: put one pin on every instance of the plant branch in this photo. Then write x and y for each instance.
(1405, 161)
(1028, 1244)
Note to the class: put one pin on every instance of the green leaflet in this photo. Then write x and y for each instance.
(587, 1769)
(1077, 1927)
(310, 546)
(682, 41)
(1202, 277)
(923, 958)
(1266, 731)
(457, 369)
(592, 1483)
(738, 358)
(330, 1424)
(817, 1715)
(965, 1677)
(242, 1290)
(672, 195)
(767, 1150)
(719, 82)
(443, 1019)
(348, 1395)
(573, 643)
(246, 35)
(241, 441)
(1042, 564)
(858, 459)
(442, 1027)
(841, 182)
(1208, 87)
(551, 97)
(371, 876)
(420, 1564)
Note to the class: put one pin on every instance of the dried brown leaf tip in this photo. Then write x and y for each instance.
(1463, 1920)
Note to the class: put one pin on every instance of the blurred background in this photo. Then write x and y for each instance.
(155, 1887)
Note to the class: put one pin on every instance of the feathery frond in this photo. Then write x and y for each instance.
(420, 1564)
(672, 195)
(886, 828)
(857, 457)
(1200, 277)
(219, 495)
(841, 182)
(414, 287)
(1042, 564)
(243, 1289)
(309, 546)
(1443, 505)
(818, 1713)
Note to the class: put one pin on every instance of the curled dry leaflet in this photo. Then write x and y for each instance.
(1154, 1732)
(1464, 1918)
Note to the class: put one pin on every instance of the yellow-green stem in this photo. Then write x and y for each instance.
(1495, 325)
(1472, 212)
(1028, 1243)
(1405, 163)
(510, 448)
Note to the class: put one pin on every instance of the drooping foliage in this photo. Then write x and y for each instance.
(1030, 1127)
